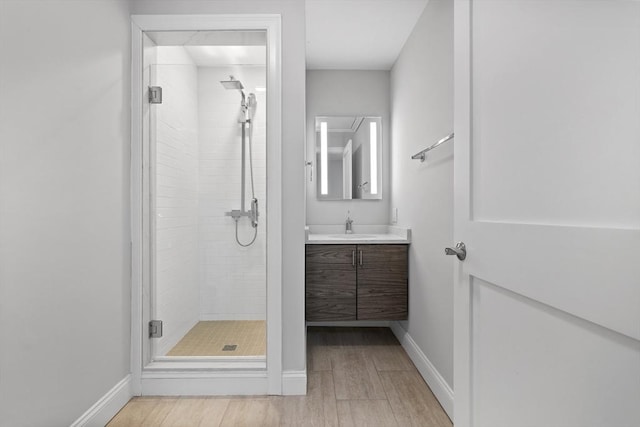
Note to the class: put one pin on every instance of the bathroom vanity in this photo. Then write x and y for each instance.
(357, 276)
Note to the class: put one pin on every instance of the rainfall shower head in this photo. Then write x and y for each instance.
(232, 83)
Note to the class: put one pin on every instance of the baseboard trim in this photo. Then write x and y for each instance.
(354, 323)
(294, 383)
(434, 380)
(107, 406)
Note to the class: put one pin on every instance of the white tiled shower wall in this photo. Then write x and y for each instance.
(176, 183)
(202, 273)
(232, 278)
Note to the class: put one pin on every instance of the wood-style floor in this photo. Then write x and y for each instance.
(356, 377)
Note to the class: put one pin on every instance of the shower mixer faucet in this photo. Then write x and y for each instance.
(253, 213)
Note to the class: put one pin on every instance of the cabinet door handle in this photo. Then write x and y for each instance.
(353, 258)
(360, 257)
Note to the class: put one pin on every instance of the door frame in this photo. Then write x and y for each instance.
(462, 209)
(175, 378)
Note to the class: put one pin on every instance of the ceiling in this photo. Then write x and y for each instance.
(221, 56)
(216, 48)
(358, 34)
(208, 38)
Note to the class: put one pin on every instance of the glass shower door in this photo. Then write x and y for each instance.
(208, 292)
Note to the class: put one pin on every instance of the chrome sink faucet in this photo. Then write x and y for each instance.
(348, 224)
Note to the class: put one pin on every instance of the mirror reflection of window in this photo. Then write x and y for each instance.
(348, 157)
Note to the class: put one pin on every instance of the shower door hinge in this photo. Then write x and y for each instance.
(155, 329)
(155, 95)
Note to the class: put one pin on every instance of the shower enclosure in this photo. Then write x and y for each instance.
(186, 172)
(207, 154)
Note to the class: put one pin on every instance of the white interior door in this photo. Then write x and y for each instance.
(547, 182)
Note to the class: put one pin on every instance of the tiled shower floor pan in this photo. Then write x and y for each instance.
(223, 338)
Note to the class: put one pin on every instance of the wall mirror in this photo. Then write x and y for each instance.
(348, 157)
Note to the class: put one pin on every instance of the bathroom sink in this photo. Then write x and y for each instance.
(365, 235)
(354, 236)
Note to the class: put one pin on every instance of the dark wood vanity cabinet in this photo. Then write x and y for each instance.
(356, 282)
(330, 277)
(383, 279)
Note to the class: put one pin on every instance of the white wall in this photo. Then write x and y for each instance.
(422, 113)
(336, 93)
(177, 293)
(293, 136)
(64, 213)
(232, 277)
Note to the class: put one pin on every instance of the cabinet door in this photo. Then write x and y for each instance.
(382, 282)
(330, 282)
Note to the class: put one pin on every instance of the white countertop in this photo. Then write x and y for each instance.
(362, 234)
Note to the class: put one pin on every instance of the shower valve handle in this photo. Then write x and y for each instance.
(254, 212)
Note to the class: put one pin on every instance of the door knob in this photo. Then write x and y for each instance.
(460, 251)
